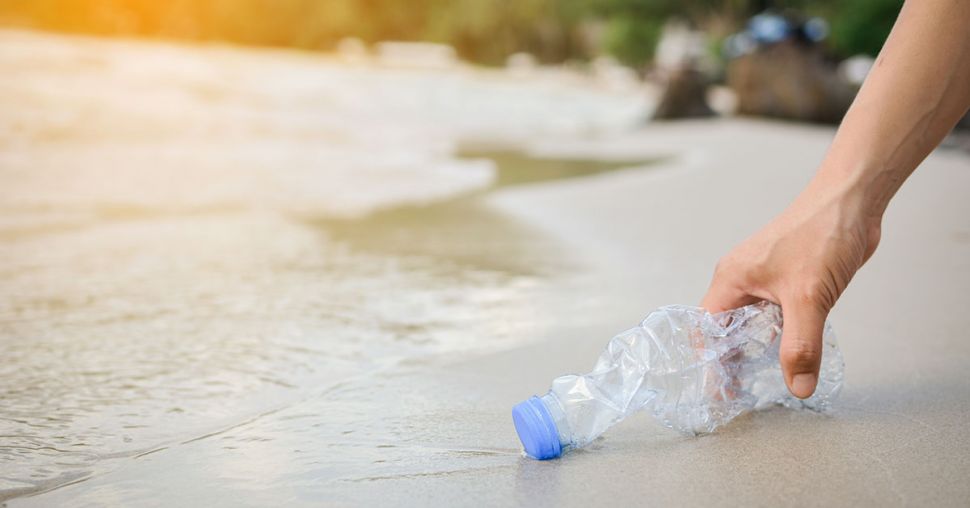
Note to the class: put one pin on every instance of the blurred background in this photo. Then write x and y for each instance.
(483, 31)
(825, 46)
(240, 238)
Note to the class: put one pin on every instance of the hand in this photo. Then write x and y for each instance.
(802, 260)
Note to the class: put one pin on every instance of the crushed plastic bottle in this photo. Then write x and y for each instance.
(692, 370)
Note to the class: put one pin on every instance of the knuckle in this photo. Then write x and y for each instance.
(727, 267)
(814, 293)
(801, 354)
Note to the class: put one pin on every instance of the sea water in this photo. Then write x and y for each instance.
(193, 237)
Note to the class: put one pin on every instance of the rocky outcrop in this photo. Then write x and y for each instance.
(684, 95)
(679, 67)
(790, 80)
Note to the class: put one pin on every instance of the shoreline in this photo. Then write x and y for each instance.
(442, 434)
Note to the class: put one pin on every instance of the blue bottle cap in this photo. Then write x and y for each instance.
(536, 429)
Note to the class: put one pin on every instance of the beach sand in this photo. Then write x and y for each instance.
(437, 431)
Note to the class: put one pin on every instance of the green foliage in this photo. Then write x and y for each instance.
(633, 41)
(481, 30)
(861, 26)
(857, 26)
(490, 30)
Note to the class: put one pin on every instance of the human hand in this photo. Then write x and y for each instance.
(805, 257)
(802, 260)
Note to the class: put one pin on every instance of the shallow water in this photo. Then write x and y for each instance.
(210, 245)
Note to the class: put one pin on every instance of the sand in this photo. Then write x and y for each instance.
(438, 431)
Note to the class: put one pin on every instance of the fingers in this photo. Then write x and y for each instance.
(725, 294)
(801, 345)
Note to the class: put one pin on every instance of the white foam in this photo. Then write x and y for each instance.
(98, 123)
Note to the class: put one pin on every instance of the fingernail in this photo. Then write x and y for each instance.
(803, 385)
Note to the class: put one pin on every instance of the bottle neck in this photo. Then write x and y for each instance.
(559, 417)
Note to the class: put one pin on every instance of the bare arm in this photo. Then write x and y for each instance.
(803, 260)
(916, 92)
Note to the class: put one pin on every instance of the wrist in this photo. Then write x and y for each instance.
(844, 206)
(863, 189)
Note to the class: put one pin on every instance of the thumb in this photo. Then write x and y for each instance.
(801, 345)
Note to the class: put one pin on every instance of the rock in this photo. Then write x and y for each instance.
(679, 61)
(789, 79)
(684, 95)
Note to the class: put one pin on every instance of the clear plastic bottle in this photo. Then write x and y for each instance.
(691, 370)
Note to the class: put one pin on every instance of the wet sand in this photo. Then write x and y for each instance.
(435, 430)
(183, 252)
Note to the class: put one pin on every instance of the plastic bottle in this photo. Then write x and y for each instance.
(691, 370)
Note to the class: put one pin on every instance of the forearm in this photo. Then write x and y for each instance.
(805, 258)
(917, 90)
